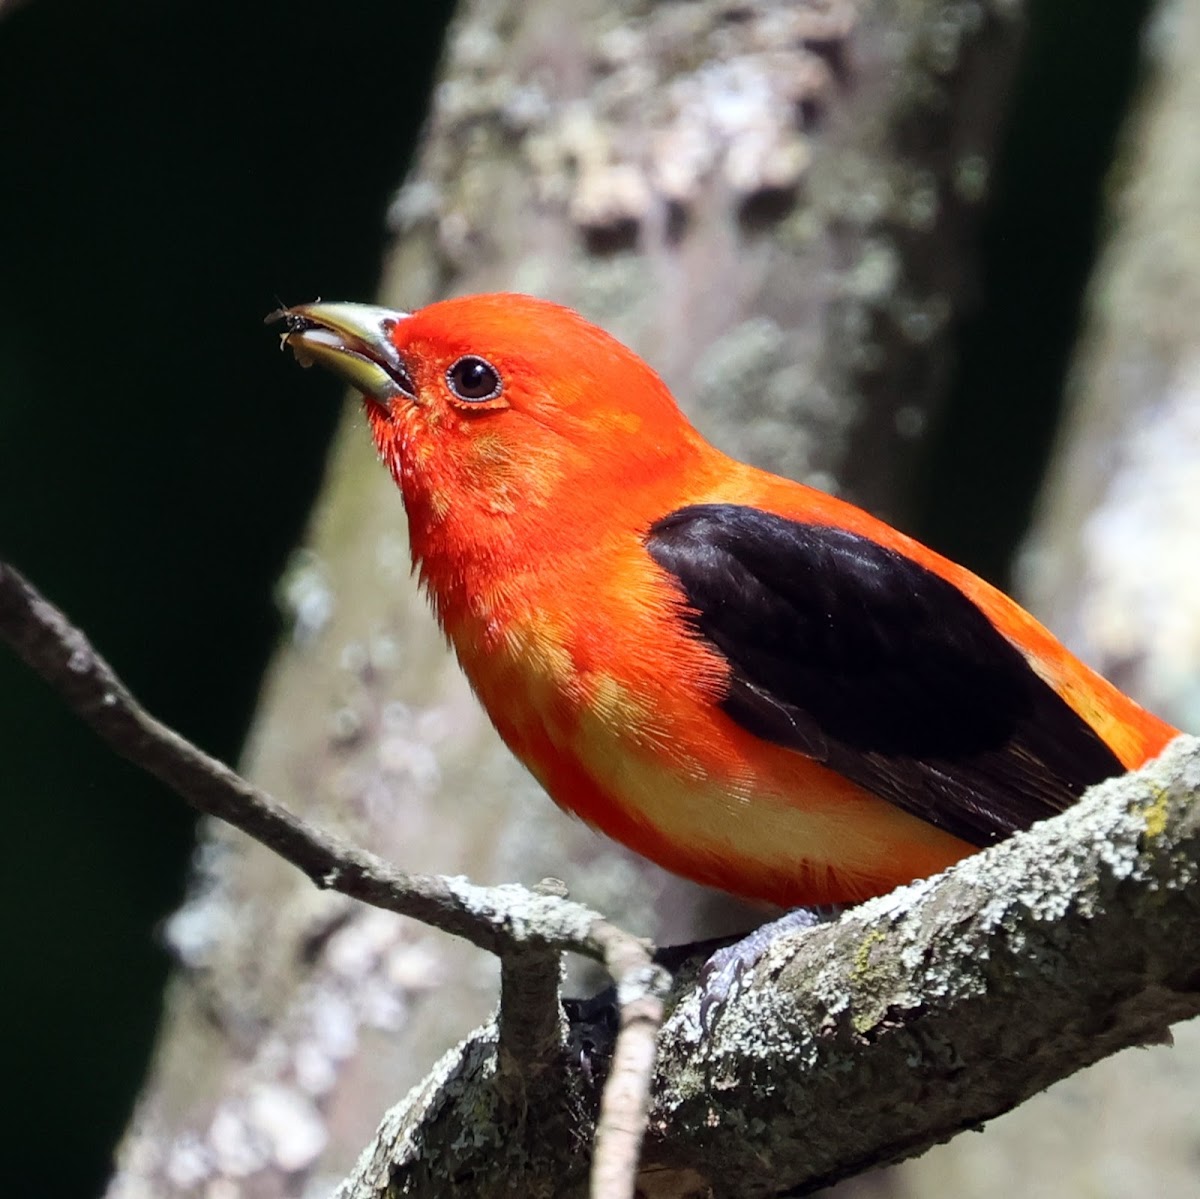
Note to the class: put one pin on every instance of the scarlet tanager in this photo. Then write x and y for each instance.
(754, 684)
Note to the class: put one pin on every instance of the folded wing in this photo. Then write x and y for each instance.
(868, 662)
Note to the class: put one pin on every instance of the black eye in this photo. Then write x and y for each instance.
(472, 379)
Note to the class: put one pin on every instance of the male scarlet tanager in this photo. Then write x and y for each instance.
(750, 682)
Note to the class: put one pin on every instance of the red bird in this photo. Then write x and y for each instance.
(752, 683)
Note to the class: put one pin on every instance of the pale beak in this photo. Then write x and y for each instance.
(352, 340)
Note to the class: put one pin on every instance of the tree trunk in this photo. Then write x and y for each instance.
(775, 206)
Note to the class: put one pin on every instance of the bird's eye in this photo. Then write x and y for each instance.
(472, 379)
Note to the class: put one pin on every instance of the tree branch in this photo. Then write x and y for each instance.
(526, 929)
(933, 1009)
(911, 1018)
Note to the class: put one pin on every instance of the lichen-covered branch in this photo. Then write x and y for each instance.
(866, 1041)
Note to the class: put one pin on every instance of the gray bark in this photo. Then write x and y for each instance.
(1111, 562)
(912, 1018)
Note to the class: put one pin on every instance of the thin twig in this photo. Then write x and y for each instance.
(641, 996)
(507, 920)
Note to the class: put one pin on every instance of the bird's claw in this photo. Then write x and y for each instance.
(723, 972)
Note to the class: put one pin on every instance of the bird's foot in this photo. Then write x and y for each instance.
(723, 972)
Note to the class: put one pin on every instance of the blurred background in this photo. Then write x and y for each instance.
(168, 174)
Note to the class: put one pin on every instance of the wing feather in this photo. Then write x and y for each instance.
(862, 659)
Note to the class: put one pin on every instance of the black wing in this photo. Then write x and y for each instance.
(868, 662)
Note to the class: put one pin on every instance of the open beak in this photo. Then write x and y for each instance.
(352, 340)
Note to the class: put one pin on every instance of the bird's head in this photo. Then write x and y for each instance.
(498, 408)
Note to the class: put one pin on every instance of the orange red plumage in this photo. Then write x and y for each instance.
(753, 683)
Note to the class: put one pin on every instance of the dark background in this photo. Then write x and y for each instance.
(166, 172)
